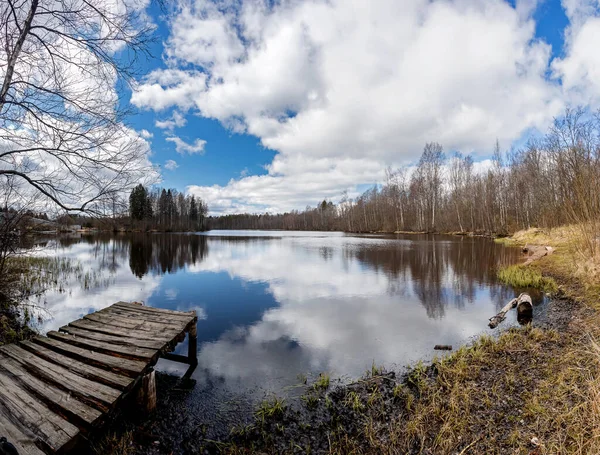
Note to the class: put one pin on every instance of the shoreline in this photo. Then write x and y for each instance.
(511, 388)
(528, 389)
(490, 235)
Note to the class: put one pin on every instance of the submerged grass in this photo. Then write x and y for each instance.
(23, 283)
(508, 241)
(38, 274)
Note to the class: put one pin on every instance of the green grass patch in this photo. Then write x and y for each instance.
(270, 408)
(310, 400)
(323, 382)
(520, 276)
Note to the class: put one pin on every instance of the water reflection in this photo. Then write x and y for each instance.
(274, 305)
(164, 253)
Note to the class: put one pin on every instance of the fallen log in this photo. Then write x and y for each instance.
(524, 308)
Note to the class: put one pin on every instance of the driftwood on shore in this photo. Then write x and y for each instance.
(537, 252)
(524, 307)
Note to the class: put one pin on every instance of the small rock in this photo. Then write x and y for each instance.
(535, 441)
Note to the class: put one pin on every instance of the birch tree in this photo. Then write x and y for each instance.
(62, 131)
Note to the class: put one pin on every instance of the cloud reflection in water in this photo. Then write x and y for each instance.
(273, 305)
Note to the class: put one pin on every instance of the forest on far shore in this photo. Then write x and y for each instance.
(552, 181)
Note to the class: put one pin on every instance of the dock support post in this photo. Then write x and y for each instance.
(146, 396)
(192, 350)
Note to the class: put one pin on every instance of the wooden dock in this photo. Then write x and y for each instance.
(55, 389)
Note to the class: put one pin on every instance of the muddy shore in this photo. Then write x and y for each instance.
(324, 417)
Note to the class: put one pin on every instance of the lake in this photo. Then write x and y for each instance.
(276, 306)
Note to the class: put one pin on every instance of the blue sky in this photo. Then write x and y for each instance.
(277, 106)
(226, 155)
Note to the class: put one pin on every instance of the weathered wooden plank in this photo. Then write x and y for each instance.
(32, 416)
(58, 400)
(87, 371)
(126, 323)
(113, 339)
(128, 367)
(110, 329)
(134, 316)
(149, 321)
(98, 395)
(117, 350)
(150, 309)
(183, 317)
(24, 441)
(49, 383)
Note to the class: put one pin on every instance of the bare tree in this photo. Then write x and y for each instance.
(553, 180)
(61, 123)
(430, 167)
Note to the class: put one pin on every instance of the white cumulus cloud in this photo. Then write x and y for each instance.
(171, 165)
(341, 89)
(176, 120)
(183, 147)
(579, 69)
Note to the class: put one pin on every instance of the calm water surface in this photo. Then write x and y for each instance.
(275, 305)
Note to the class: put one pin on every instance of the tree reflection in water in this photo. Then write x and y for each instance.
(276, 304)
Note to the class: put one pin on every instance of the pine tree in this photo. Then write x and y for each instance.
(147, 206)
(163, 207)
(193, 212)
(137, 201)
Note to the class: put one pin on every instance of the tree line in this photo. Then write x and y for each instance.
(553, 180)
(166, 209)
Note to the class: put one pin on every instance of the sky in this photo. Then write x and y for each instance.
(269, 106)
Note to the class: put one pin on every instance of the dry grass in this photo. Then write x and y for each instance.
(569, 235)
(115, 444)
(576, 262)
(495, 396)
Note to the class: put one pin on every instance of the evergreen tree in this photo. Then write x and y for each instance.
(171, 209)
(193, 211)
(148, 212)
(137, 202)
(163, 207)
